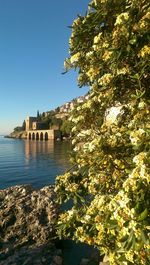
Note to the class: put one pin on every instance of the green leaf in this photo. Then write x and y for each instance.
(143, 215)
(124, 238)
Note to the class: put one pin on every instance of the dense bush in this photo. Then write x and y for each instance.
(66, 128)
(110, 183)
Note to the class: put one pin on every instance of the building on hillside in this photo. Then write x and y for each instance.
(62, 115)
(32, 123)
(66, 108)
(29, 122)
(37, 125)
(39, 130)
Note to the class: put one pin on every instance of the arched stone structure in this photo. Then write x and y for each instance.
(37, 136)
(29, 136)
(46, 136)
(33, 136)
(43, 134)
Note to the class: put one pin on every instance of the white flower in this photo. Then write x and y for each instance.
(112, 114)
(138, 159)
(141, 105)
(97, 38)
(70, 213)
(89, 54)
(143, 171)
(76, 148)
(99, 1)
(89, 147)
(105, 79)
(87, 217)
(124, 202)
(122, 71)
(145, 51)
(74, 58)
(132, 225)
(121, 18)
(84, 133)
(136, 136)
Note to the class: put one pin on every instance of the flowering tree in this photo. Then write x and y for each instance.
(110, 182)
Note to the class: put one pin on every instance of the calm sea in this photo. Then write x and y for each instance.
(32, 162)
(38, 163)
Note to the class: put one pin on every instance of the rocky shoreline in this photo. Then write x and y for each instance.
(27, 229)
(27, 226)
(17, 135)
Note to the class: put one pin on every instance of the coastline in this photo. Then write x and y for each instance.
(28, 228)
(23, 135)
(17, 135)
(70, 252)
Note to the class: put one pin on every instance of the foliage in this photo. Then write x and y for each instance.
(66, 127)
(57, 110)
(38, 114)
(50, 119)
(18, 129)
(110, 183)
(56, 121)
(23, 125)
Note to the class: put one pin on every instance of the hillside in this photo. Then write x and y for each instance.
(52, 119)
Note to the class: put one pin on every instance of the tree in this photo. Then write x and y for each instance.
(56, 121)
(66, 127)
(110, 182)
(23, 125)
(18, 129)
(38, 114)
(57, 110)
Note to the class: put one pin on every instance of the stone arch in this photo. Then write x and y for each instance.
(37, 136)
(29, 135)
(33, 136)
(46, 136)
(41, 136)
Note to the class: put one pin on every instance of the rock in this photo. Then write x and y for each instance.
(57, 260)
(59, 252)
(27, 218)
(84, 261)
(17, 135)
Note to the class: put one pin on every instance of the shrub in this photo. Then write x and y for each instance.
(110, 183)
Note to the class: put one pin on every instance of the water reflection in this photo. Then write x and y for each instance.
(33, 148)
(32, 162)
(57, 151)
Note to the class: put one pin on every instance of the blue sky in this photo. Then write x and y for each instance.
(33, 45)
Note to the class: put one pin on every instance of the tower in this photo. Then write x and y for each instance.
(29, 121)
